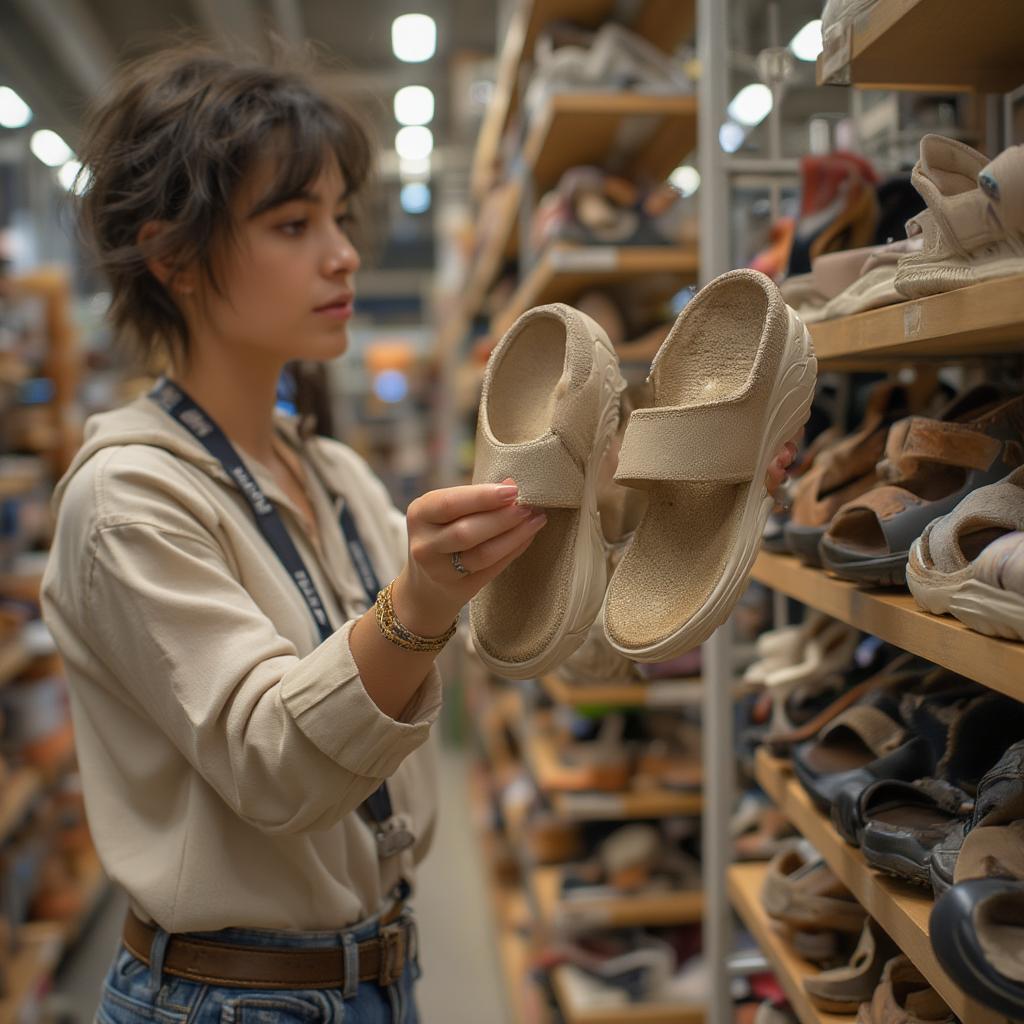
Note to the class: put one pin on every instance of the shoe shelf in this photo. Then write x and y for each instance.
(18, 793)
(42, 945)
(895, 617)
(627, 1013)
(581, 128)
(983, 319)
(745, 883)
(663, 22)
(902, 910)
(541, 757)
(14, 659)
(512, 920)
(564, 271)
(645, 910)
(666, 693)
(929, 45)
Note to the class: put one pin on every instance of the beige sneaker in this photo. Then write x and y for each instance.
(548, 412)
(965, 238)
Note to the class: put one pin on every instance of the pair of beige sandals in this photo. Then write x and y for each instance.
(733, 381)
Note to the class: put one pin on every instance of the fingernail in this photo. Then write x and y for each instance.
(524, 511)
(538, 520)
(507, 491)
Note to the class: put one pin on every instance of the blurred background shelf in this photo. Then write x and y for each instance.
(564, 271)
(627, 1013)
(664, 693)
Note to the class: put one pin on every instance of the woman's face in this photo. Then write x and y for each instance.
(287, 279)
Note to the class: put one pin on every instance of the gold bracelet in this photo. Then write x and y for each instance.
(392, 628)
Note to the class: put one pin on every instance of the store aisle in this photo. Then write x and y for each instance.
(461, 981)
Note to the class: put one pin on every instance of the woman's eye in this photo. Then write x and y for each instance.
(345, 220)
(293, 227)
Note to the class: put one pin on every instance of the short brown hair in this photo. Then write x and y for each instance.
(170, 142)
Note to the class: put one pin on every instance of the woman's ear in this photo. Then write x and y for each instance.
(175, 279)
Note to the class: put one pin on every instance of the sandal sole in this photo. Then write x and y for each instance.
(986, 609)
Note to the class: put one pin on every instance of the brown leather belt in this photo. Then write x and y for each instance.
(381, 960)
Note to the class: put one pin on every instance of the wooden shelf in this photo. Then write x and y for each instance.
(580, 128)
(542, 758)
(929, 45)
(646, 910)
(745, 884)
(18, 793)
(902, 910)
(499, 245)
(14, 659)
(665, 693)
(564, 271)
(628, 1013)
(894, 616)
(41, 945)
(663, 22)
(984, 319)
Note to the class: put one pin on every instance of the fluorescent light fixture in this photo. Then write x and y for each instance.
(414, 38)
(415, 197)
(71, 179)
(14, 111)
(414, 104)
(414, 142)
(686, 179)
(731, 136)
(807, 44)
(751, 105)
(50, 148)
(414, 170)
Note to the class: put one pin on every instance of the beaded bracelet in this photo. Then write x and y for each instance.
(392, 628)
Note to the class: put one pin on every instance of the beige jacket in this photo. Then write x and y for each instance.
(224, 750)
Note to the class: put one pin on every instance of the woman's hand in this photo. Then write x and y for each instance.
(484, 525)
(778, 471)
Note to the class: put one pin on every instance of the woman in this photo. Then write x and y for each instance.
(250, 716)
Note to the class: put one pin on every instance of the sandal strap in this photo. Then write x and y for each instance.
(917, 439)
(872, 726)
(546, 473)
(689, 444)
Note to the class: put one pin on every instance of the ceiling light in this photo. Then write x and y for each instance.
(414, 104)
(414, 38)
(806, 44)
(686, 179)
(14, 111)
(414, 143)
(50, 148)
(415, 197)
(414, 170)
(391, 386)
(751, 105)
(731, 136)
(73, 178)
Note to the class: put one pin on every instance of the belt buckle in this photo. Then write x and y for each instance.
(392, 954)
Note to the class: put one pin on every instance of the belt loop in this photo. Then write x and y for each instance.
(351, 966)
(157, 953)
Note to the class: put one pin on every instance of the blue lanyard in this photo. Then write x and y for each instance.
(173, 400)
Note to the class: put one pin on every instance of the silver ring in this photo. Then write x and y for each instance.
(457, 564)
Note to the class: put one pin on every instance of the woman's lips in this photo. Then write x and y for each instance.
(340, 310)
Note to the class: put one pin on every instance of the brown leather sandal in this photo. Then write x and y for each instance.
(930, 466)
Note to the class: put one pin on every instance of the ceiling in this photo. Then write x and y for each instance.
(58, 54)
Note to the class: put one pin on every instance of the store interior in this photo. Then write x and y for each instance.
(816, 814)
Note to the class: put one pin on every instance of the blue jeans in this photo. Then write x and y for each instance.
(136, 994)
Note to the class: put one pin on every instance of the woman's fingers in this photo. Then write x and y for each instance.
(485, 576)
(441, 507)
(495, 550)
(472, 531)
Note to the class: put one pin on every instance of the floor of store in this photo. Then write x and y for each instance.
(453, 906)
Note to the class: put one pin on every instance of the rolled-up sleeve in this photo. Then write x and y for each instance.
(291, 744)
